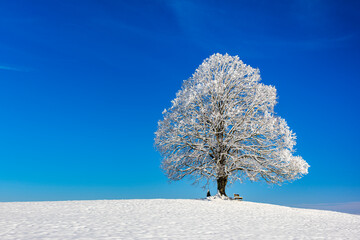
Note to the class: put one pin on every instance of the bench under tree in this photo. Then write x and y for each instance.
(237, 197)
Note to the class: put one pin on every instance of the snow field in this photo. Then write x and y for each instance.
(170, 219)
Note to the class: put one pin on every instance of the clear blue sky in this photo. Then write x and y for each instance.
(83, 84)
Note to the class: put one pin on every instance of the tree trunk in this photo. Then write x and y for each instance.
(221, 184)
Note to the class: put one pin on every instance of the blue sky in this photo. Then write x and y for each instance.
(83, 84)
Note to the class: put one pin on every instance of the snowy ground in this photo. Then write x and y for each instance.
(171, 219)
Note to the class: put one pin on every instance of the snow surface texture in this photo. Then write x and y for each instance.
(171, 219)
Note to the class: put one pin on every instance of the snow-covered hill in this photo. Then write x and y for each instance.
(171, 219)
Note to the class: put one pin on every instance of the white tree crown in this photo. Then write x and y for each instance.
(222, 123)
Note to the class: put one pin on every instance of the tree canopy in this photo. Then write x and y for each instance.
(222, 126)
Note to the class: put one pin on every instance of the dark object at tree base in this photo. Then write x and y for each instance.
(208, 194)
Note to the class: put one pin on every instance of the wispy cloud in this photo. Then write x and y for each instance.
(315, 43)
(10, 68)
(194, 18)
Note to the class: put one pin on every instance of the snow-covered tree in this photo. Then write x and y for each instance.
(222, 126)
